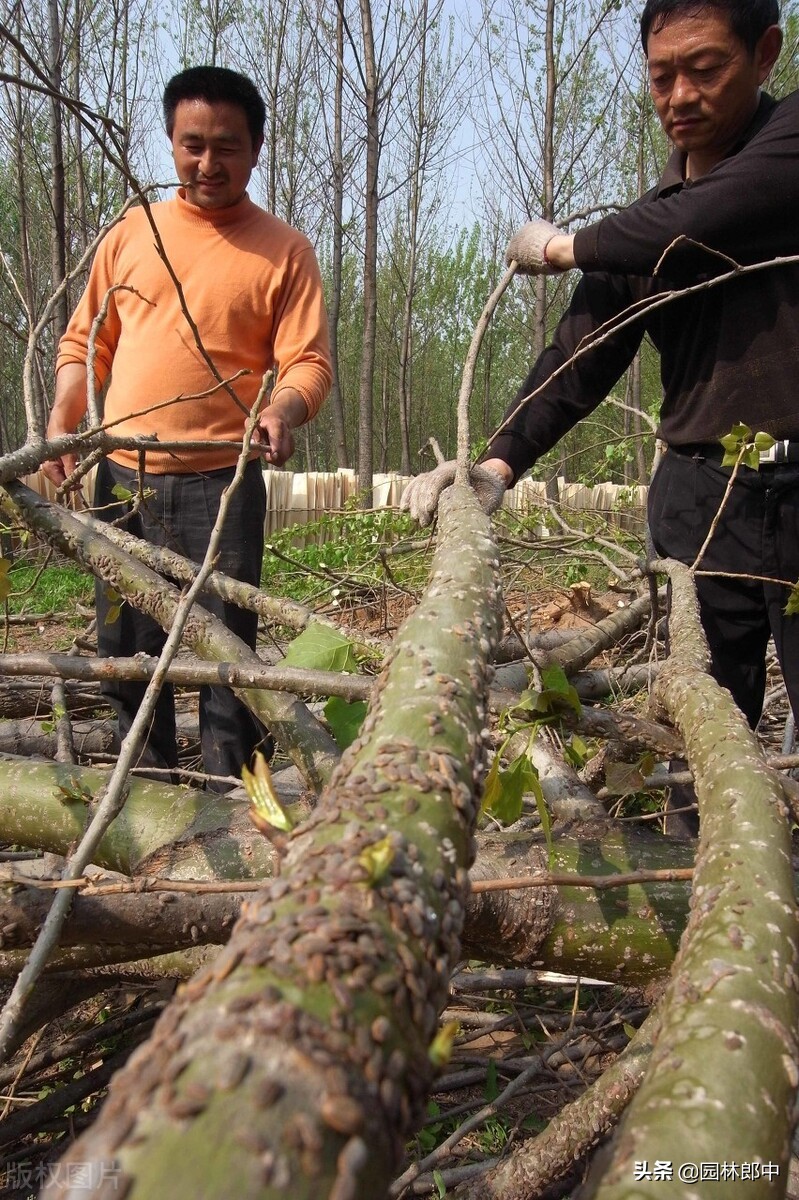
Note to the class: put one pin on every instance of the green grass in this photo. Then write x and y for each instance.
(56, 588)
(310, 563)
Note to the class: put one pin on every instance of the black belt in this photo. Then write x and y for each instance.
(782, 451)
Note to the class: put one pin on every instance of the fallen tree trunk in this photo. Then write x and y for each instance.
(601, 682)
(162, 830)
(138, 919)
(192, 674)
(30, 740)
(574, 650)
(311, 748)
(32, 698)
(730, 1011)
(628, 934)
(298, 1063)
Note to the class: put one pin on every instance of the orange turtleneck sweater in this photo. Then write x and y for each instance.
(253, 288)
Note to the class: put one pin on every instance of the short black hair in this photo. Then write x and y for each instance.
(749, 19)
(215, 85)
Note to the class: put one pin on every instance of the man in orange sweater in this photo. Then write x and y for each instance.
(253, 289)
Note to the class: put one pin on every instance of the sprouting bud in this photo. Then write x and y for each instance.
(266, 808)
(376, 859)
(440, 1050)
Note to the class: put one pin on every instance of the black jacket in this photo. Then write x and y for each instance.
(730, 352)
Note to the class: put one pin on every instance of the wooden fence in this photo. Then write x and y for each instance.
(298, 498)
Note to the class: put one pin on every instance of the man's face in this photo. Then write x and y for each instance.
(704, 82)
(213, 152)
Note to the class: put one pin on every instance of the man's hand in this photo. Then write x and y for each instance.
(57, 469)
(539, 248)
(69, 407)
(420, 497)
(273, 435)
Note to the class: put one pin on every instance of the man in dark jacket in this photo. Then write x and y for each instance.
(729, 352)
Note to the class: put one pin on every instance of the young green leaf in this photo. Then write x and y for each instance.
(491, 787)
(737, 437)
(74, 790)
(504, 791)
(740, 444)
(543, 813)
(320, 648)
(115, 605)
(792, 607)
(440, 1050)
(733, 443)
(554, 679)
(502, 795)
(345, 719)
(556, 694)
(576, 752)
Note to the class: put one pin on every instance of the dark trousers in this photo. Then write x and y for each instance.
(757, 535)
(179, 511)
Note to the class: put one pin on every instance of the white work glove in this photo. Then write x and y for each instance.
(420, 497)
(526, 248)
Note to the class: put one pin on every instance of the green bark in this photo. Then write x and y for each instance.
(628, 934)
(723, 1075)
(298, 1063)
(162, 830)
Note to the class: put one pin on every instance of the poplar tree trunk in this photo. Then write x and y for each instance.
(162, 830)
(335, 400)
(299, 1062)
(629, 934)
(725, 1059)
(58, 242)
(371, 200)
(414, 202)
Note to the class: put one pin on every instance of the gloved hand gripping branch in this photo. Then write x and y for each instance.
(527, 248)
(420, 497)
